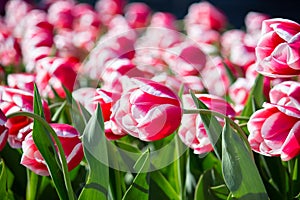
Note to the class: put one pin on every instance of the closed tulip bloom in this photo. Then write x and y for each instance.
(72, 146)
(277, 50)
(274, 133)
(274, 130)
(148, 110)
(3, 130)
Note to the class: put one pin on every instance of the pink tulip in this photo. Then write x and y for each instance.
(15, 11)
(206, 14)
(137, 14)
(192, 131)
(239, 92)
(163, 20)
(22, 81)
(254, 20)
(14, 100)
(91, 97)
(107, 9)
(115, 71)
(185, 59)
(274, 133)
(10, 51)
(51, 73)
(60, 14)
(148, 110)
(277, 51)
(72, 146)
(214, 77)
(3, 130)
(285, 94)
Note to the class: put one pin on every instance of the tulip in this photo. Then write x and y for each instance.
(192, 131)
(274, 133)
(274, 130)
(3, 130)
(207, 15)
(137, 14)
(91, 97)
(277, 50)
(14, 100)
(72, 146)
(148, 110)
(51, 74)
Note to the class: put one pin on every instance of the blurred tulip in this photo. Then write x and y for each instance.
(107, 9)
(72, 146)
(91, 97)
(137, 14)
(60, 14)
(14, 100)
(148, 110)
(51, 73)
(23, 81)
(185, 59)
(206, 14)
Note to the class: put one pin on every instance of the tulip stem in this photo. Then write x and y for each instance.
(58, 144)
(32, 185)
(220, 115)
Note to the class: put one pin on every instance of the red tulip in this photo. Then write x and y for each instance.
(3, 130)
(148, 110)
(14, 100)
(72, 146)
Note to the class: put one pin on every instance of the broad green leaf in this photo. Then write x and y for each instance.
(239, 170)
(95, 150)
(212, 127)
(256, 97)
(296, 177)
(140, 185)
(44, 143)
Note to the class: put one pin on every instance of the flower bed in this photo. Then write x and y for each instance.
(119, 102)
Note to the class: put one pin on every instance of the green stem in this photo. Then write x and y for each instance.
(220, 115)
(32, 185)
(58, 144)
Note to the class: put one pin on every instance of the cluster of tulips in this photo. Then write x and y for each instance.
(145, 69)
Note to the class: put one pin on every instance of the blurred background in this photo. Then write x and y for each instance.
(235, 10)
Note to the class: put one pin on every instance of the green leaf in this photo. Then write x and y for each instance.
(95, 150)
(256, 97)
(210, 186)
(44, 143)
(140, 185)
(212, 127)
(239, 170)
(3, 181)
